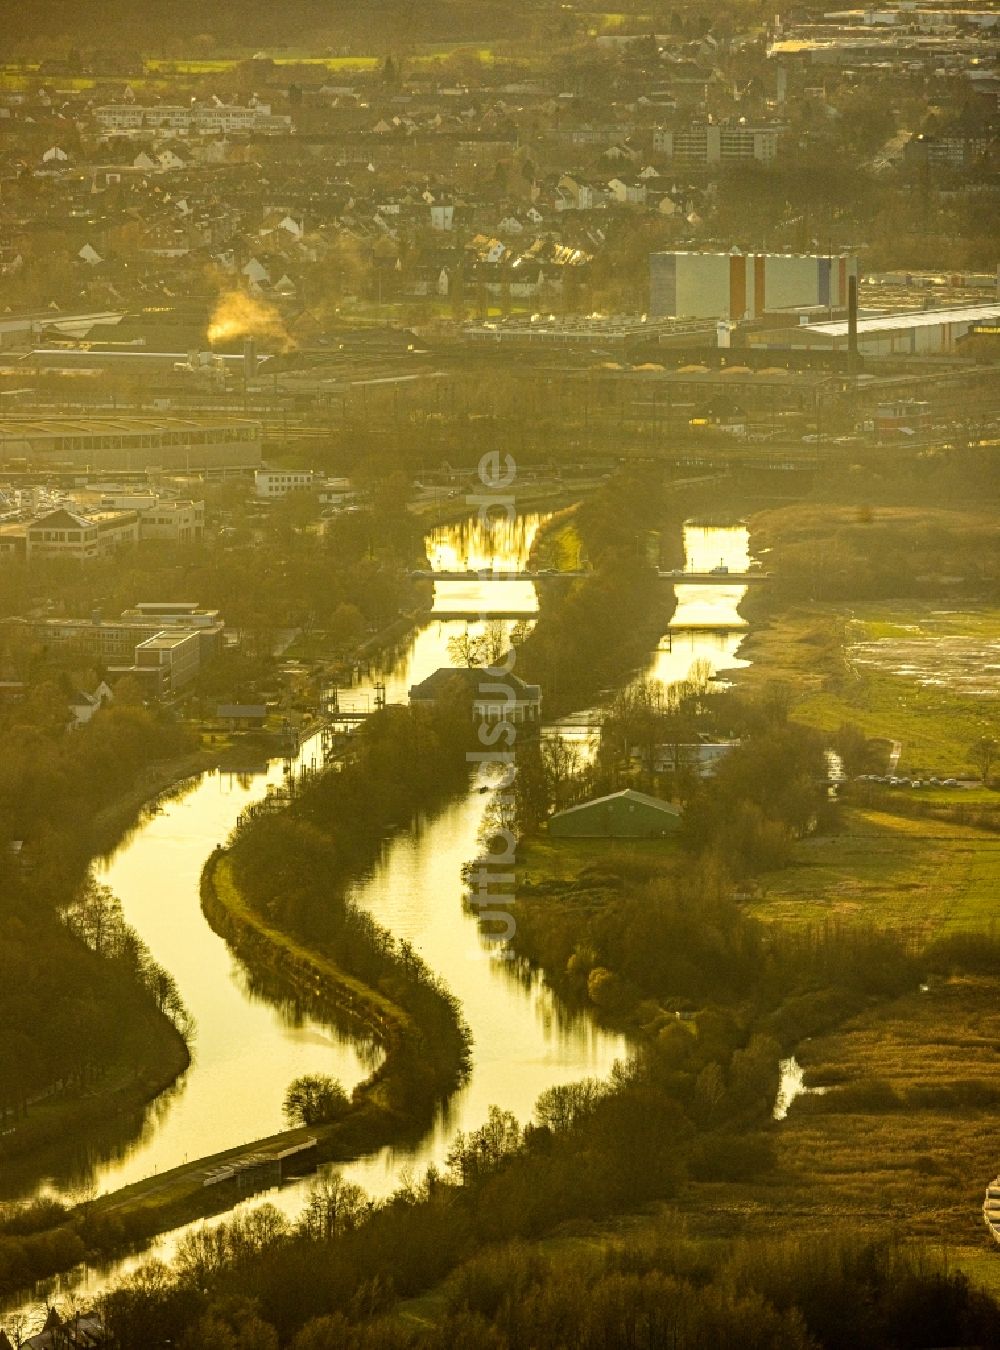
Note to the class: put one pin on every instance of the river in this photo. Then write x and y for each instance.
(247, 1050)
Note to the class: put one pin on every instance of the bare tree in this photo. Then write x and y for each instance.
(334, 1207)
(983, 755)
(488, 648)
(561, 764)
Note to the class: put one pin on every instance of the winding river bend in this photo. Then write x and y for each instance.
(247, 1049)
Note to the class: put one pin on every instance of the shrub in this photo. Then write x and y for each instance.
(314, 1099)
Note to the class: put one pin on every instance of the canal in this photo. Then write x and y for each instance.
(248, 1049)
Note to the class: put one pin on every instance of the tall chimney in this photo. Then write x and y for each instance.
(852, 325)
(249, 361)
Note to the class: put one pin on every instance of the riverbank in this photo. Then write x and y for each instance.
(540, 498)
(36, 1142)
(115, 1223)
(113, 823)
(393, 633)
(310, 974)
(178, 1196)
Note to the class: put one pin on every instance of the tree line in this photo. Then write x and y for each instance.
(294, 866)
(68, 1012)
(588, 638)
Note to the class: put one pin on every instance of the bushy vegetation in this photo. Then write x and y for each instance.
(827, 552)
(54, 784)
(590, 638)
(80, 1005)
(293, 868)
(333, 1280)
(88, 1021)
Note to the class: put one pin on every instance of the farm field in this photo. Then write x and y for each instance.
(924, 877)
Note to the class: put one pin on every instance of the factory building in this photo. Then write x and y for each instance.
(735, 286)
(131, 444)
(925, 332)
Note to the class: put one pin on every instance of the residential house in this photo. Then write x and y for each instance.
(77, 1332)
(169, 159)
(83, 705)
(491, 698)
(572, 194)
(628, 192)
(442, 216)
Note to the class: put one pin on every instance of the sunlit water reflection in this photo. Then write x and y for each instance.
(714, 610)
(523, 1040)
(246, 1050)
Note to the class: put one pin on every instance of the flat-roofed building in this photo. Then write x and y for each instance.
(207, 623)
(173, 613)
(22, 328)
(132, 444)
(718, 143)
(176, 519)
(931, 332)
(174, 656)
(181, 522)
(280, 482)
(187, 119)
(114, 641)
(111, 642)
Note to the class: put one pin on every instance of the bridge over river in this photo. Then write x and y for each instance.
(716, 577)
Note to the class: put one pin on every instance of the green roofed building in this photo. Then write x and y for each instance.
(622, 815)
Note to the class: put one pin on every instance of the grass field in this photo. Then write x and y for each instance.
(18, 75)
(916, 1154)
(917, 672)
(921, 1168)
(813, 651)
(919, 876)
(917, 1169)
(541, 859)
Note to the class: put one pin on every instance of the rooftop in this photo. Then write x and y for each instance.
(165, 641)
(15, 427)
(446, 677)
(627, 795)
(917, 319)
(168, 606)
